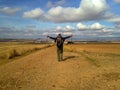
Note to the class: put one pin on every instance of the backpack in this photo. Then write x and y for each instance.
(59, 42)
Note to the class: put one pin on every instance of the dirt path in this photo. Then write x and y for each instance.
(41, 71)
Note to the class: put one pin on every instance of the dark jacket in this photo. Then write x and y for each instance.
(59, 44)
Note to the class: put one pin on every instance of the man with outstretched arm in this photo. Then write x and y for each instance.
(59, 40)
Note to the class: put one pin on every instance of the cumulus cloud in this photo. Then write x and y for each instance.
(81, 26)
(9, 10)
(93, 9)
(88, 10)
(34, 14)
(58, 28)
(60, 14)
(25, 32)
(67, 30)
(94, 26)
(97, 26)
(115, 19)
(64, 29)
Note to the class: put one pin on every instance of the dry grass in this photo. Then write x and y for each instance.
(10, 50)
(87, 67)
(97, 53)
(101, 48)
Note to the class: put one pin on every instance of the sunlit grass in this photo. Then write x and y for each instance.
(97, 53)
(10, 50)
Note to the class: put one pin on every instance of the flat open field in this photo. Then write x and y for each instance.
(11, 50)
(84, 67)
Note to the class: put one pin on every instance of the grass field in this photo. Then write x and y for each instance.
(10, 50)
(97, 53)
(106, 59)
(85, 67)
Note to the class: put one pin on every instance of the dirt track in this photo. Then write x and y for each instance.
(41, 71)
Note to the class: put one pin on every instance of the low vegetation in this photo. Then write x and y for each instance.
(96, 53)
(85, 67)
(11, 50)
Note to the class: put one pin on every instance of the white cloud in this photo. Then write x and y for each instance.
(58, 28)
(34, 14)
(94, 26)
(60, 14)
(26, 32)
(88, 10)
(97, 26)
(81, 26)
(115, 19)
(67, 28)
(55, 11)
(93, 9)
(67, 33)
(9, 10)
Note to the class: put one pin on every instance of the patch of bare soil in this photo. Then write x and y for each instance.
(42, 71)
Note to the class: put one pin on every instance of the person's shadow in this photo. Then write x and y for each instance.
(69, 57)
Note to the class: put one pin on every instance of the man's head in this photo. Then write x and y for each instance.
(59, 35)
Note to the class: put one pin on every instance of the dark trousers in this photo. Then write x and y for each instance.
(60, 53)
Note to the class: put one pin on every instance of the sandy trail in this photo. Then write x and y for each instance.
(42, 71)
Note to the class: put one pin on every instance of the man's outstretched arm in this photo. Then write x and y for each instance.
(68, 37)
(51, 37)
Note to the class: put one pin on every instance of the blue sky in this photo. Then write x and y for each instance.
(37, 18)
